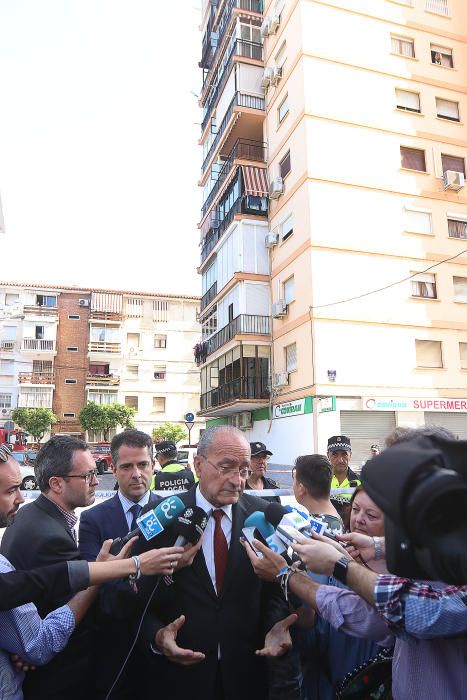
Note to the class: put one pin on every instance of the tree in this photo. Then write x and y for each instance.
(36, 421)
(105, 417)
(169, 431)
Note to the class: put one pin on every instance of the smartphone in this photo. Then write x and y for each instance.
(289, 533)
(250, 534)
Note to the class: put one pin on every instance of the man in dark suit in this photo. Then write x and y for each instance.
(132, 465)
(43, 533)
(209, 622)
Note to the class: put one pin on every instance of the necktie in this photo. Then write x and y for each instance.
(221, 550)
(135, 511)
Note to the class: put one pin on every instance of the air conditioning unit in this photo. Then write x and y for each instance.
(277, 75)
(453, 180)
(272, 239)
(280, 379)
(83, 302)
(245, 420)
(279, 309)
(235, 420)
(274, 22)
(265, 27)
(276, 188)
(268, 75)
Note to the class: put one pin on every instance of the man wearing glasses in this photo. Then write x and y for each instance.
(44, 533)
(259, 464)
(209, 623)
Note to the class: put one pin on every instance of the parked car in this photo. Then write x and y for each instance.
(28, 478)
(101, 454)
(25, 457)
(185, 455)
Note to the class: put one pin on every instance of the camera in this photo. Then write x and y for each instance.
(421, 486)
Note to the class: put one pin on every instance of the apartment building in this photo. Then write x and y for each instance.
(62, 347)
(367, 223)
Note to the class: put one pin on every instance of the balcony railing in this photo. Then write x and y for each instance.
(106, 315)
(242, 388)
(209, 296)
(103, 379)
(40, 309)
(244, 149)
(36, 378)
(104, 346)
(7, 345)
(439, 7)
(242, 324)
(242, 48)
(239, 100)
(35, 345)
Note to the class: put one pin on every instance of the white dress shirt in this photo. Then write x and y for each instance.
(127, 504)
(208, 538)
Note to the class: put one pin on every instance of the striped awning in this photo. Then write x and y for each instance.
(256, 181)
(101, 301)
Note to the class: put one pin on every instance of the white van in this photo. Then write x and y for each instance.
(186, 454)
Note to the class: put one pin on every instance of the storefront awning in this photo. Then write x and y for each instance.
(256, 181)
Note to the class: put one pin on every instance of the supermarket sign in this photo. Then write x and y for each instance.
(375, 403)
(292, 408)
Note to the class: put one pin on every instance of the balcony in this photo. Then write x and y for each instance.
(36, 345)
(102, 379)
(242, 49)
(239, 101)
(244, 149)
(7, 345)
(209, 296)
(40, 309)
(104, 346)
(106, 315)
(36, 378)
(244, 324)
(241, 389)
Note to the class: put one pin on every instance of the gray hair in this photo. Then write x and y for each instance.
(55, 458)
(210, 434)
(406, 434)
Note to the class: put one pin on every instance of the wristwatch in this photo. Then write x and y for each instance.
(377, 541)
(340, 569)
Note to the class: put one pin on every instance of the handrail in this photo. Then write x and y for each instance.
(241, 388)
(209, 296)
(244, 323)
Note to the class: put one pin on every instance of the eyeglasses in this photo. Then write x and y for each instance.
(88, 477)
(244, 472)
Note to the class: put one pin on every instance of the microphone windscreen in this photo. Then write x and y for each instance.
(258, 521)
(191, 524)
(168, 510)
(274, 513)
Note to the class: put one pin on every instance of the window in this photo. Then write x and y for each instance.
(428, 353)
(417, 221)
(42, 367)
(286, 227)
(284, 165)
(160, 311)
(457, 229)
(7, 366)
(11, 299)
(279, 58)
(446, 109)
(73, 317)
(72, 348)
(133, 340)
(39, 333)
(460, 288)
(439, 7)
(209, 324)
(413, 159)
(160, 373)
(440, 56)
(291, 358)
(71, 381)
(69, 415)
(5, 401)
(134, 308)
(424, 285)
(289, 290)
(403, 46)
(160, 341)
(463, 355)
(102, 398)
(131, 402)
(453, 163)
(44, 300)
(35, 397)
(409, 101)
(230, 312)
(283, 109)
(158, 404)
(132, 370)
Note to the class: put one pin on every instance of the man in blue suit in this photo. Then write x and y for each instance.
(132, 465)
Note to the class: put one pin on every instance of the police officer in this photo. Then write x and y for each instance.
(339, 454)
(173, 476)
(259, 460)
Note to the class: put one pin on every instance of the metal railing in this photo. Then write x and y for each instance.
(7, 345)
(40, 309)
(237, 389)
(106, 315)
(36, 378)
(103, 379)
(244, 149)
(238, 100)
(440, 7)
(217, 233)
(209, 296)
(104, 346)
(244, 323)
(242, 48)
(38, 345)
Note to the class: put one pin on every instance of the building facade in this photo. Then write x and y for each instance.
(364, 134)
(62, 347)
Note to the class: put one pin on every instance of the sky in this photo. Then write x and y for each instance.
(98, 143)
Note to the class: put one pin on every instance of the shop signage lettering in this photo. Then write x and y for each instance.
(418, 404)
(292, 408)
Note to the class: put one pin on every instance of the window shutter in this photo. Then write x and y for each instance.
(428, 353)
(408, 100)
(447, 108)
(460, 288)
(417, 221)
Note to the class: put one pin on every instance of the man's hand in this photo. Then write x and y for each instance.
(268, 566)
(278, 639)
(160, 561)
(104, 554)
(318, 556)
(165, 641)
(359, 545)
(21, 665)
(189, 553)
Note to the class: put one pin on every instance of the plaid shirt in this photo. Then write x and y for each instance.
(420, 609)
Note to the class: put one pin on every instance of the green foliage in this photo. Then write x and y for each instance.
(105, 417)
(36, 421)
(169, 431)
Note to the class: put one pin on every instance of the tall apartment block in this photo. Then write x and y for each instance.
(365, 247)
(62, 347)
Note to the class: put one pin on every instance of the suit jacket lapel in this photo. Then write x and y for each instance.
(121, 524)
(51, 509)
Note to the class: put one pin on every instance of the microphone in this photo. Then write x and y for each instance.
(279, 516)
(153, 522)
(190, 525)
(258, 521)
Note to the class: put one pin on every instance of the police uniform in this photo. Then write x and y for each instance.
(258, 448)
(336, 443)
(173, 477)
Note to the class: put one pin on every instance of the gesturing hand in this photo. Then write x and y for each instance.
(268, 566)
(160, 561)
(166, 643)
(278, 639)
